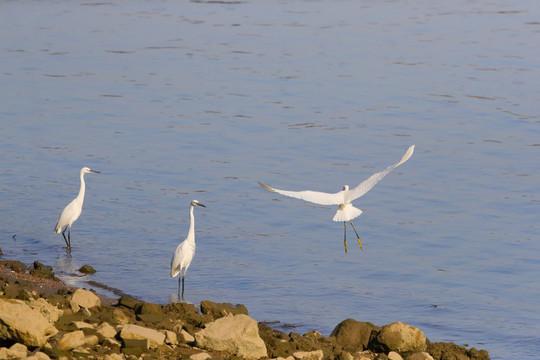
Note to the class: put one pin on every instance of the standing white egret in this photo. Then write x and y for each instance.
(346, 211)
(72, 211)
(185, 252)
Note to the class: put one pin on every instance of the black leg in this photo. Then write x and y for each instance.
(65, 239)
(358, 237)
(179, 285)
(182, 287)
(345, 235)
(69, 238)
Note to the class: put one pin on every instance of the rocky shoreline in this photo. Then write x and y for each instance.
(42, 318)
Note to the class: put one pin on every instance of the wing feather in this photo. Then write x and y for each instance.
(365, 186)
(316, 197)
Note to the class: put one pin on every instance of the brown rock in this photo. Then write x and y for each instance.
(353, 335)
(451, 351)
(14, 265)
(149, 308)
(142, 344)
(129, 302)
(112, 344)
(42, 271)
(278, 344)
(87, 269)
(121, 317)
(218, 310)
(188, 313)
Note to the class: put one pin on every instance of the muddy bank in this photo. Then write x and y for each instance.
(63, 322)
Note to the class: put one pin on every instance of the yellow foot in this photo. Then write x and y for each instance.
(360, 243)
(345, 243)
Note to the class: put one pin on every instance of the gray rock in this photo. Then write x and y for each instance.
(136, 332)
(106, 330)
(200, 356)
(419, 356)
(308, 355)
(170, 337)
(238, 334)
(16, 351)
(112, 344)
(401, 337)
(82, 325)
(38, 355)
(21, 323)
(71, 340)
(114, 357)
(49, 311)
(187, 337)
(392, 355)
(84, 299)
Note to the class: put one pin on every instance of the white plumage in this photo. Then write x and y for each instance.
(73, 210)
(346, 211)
(184, 253)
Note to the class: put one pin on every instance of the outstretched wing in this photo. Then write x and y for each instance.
(365, 186)
(316, 197)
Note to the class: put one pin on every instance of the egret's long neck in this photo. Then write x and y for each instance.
(191, 232)
(80, 197)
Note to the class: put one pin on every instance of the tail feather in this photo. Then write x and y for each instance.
(346, 212)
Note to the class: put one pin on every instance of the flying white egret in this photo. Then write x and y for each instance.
(185, 252)
(73, 210)
(343, 198)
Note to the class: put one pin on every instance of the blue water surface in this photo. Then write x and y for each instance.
(179, 100)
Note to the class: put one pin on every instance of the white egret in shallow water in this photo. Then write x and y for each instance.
(72, 211)
(346, 211)
(185, 252)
